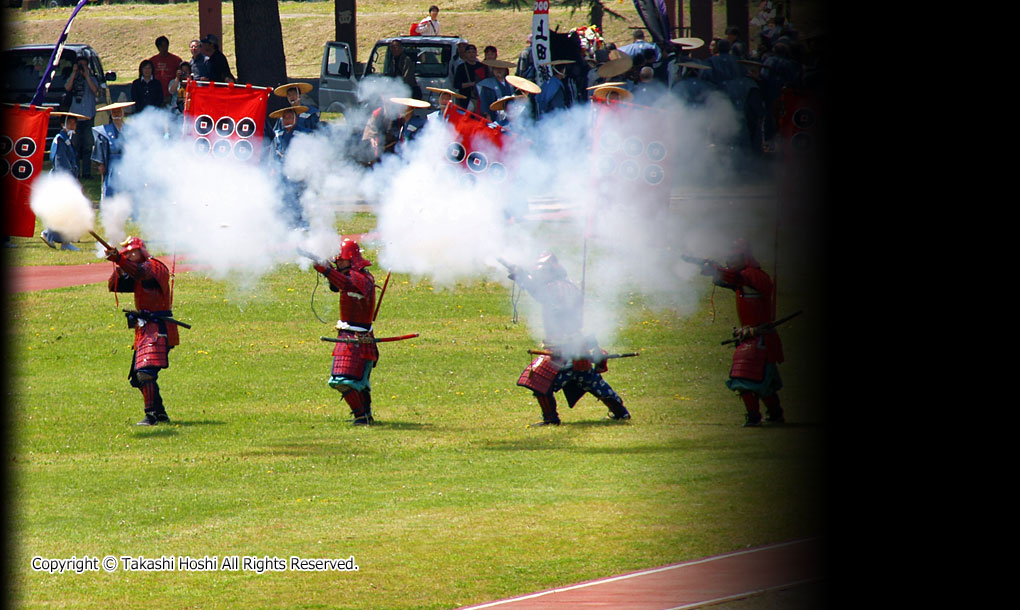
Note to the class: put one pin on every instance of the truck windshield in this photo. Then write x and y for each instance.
(24, 69)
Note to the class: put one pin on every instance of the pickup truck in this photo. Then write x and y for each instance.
(339, 76)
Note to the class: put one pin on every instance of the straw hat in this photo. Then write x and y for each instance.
(499, 63)
(114, 106)
(74, 114)
(613, 84)
(688, 44)
(501, 103)
(524, 84)
(279, 113)
(453, 93)
(561, 62)
(302, 87)
(619, 63)
(411, 102)
(603, 93)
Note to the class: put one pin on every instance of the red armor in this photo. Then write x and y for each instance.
(349, 358)
(540, 374)
(753, 288)
(149, 280)
(357, 306)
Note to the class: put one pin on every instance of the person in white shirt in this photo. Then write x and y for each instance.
(429, 26)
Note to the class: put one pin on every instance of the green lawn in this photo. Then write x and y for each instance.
(452, 499)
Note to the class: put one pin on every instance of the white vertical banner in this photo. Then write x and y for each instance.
(541, 52)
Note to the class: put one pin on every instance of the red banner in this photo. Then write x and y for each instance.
(480, 143)
(225, 120)
(23, 144)
(632, 150)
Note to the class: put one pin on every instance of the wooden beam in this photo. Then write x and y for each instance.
(210, 19)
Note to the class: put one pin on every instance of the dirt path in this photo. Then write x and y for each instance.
(690, 584)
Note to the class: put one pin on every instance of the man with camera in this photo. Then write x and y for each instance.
(82, 89)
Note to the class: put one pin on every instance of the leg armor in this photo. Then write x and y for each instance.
(753, 417)
(548, 404)
(773, 410)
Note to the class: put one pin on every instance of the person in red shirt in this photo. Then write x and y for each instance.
(164, 66)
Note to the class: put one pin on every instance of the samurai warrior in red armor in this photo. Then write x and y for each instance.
(354, 359)
(754, 373)
(577, 363)
(155, 331)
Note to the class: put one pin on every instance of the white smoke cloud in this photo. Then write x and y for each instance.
(58, 201)
(438, 220)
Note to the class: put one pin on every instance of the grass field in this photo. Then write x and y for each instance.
(451, 499)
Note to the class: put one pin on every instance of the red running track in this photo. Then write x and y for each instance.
(27, 278)
(690, 584)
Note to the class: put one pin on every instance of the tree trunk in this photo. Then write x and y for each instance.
(258, 43)
(738, 14)
(596, 14)
(345, 19)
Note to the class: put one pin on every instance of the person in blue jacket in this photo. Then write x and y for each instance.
(308, 119)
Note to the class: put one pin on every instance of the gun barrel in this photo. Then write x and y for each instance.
(100, 239)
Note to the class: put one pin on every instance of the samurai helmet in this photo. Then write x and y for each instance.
(548, 268)
(740, 255)
(351, 251)
(133, 243)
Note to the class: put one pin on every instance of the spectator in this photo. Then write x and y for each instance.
(164, 66)
(83, 89)
(429, 26)
(525, 69)
(737, 47)
(219, 68)
(489, 53)
(461, 47)
(199, 62)
(146, 90)
(467, 75)
(639, 44)
(402, 67)
(179, 86)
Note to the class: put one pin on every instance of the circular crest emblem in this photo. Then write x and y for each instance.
(225, 127)
(204, 125)
(25, 147)
(455, 152)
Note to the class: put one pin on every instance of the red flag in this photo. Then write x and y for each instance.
(23, 144)
(226, 120)
(480, 144)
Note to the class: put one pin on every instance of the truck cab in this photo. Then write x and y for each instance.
(339, 76)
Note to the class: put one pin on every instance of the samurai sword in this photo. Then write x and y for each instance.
(372, 340)
(767, 327)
